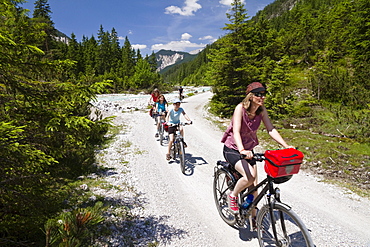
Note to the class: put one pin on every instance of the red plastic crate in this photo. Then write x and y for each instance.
(283, 162)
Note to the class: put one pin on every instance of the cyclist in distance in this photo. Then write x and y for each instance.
(160, 107)
(154, 97)
(180, 93)
(241, 137)
(173, 117)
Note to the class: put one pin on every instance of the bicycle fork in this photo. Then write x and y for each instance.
(271, 202)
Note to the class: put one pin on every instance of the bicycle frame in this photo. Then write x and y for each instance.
(268, 189)
(178, 148)
(275, 221)
(176, 136)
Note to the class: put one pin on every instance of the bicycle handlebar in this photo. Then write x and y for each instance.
(182, 123)
(256, 156)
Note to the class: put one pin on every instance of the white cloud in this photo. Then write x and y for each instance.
(208, 37)
(177, 45)
(137, 46)
(121, 38)
(191, 6)
(186, 36)
(228, 2)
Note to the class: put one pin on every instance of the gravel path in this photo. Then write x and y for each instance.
(173, 209)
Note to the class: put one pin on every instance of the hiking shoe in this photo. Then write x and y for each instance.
(185, 145)
(233, 204)
(156, 135)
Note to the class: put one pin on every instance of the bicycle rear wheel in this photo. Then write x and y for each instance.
(290, 230)
(181, 153)
(222, 185)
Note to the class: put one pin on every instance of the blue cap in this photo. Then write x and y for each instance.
(176, 101)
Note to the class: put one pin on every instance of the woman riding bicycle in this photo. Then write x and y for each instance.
(173, 117)
(241, 137)
(152, 100)
(154, 97)
(161, 108)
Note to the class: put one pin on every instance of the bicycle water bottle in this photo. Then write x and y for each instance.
(247, 201)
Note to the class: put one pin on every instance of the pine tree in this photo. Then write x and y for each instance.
(115, 50)
(360, 42)
(143, 76)
(152, 61)
(41, 15)
(74, 54)
(104, 56)
(229, 70)
(127, 66)
(46, 136)
(89, 47)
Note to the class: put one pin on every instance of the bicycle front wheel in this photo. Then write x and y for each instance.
(181, 153)
(290, 230)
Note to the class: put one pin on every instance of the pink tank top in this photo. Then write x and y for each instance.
(248, 132)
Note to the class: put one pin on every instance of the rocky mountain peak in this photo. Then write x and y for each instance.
(168, 58)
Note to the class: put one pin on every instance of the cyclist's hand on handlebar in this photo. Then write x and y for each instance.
(246, 154)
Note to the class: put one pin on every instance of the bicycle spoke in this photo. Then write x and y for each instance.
(290, 230)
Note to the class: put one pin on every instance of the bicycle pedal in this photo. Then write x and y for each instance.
(232, 211)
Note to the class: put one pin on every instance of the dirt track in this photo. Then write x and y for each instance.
(181, 208)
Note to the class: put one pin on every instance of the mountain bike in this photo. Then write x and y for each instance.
(276, 223)
(178, 148)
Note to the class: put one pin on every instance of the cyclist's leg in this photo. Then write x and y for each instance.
(158, 123)
(253, 216)
(170, 142)
(255, 193)
(249, 174)
(182, 131)
(171, 130)
(247, 171)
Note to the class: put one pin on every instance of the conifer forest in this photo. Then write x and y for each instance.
(312, 55)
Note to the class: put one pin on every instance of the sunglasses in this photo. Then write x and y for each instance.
(259, 94)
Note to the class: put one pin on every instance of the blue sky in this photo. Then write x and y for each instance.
(150, 25)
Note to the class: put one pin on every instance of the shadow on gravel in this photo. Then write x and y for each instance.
(154, 229)
(192, 161)
(144, 231)
(245, 234)
(127, 229)
(104, 172)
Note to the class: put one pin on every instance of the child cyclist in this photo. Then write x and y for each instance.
(173, 117)
(241, 137)
(161, 108)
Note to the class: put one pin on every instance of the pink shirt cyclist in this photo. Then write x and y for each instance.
(241, 137)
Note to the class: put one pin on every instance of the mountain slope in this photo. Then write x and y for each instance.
(167, 58)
